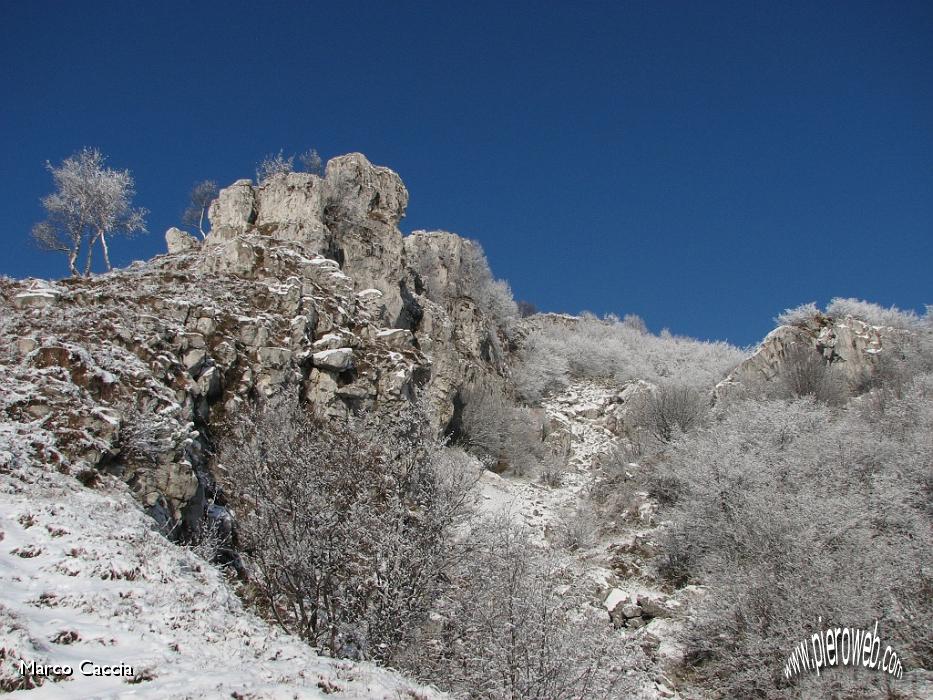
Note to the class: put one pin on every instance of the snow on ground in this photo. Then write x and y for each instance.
(538, 506)
(83, 576)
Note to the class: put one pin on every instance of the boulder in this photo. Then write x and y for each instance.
(178, 241)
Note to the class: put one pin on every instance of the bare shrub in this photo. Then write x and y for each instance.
(274, 164)
(804, 372)
(578, 530)
(503, 436)
(670, 410)
(346, 526)
(553, 468)
(311, 162)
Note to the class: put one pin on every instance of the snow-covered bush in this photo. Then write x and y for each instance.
(590, 348)
(499, 433)
(670, 410)
(515, 624)
(804, 372)
(873, 314)
(798, 315)
(346, 526)
(789, 511)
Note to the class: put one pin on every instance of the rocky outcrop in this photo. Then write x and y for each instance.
(851, 346)
(350, 215)
(178, 241)
(348, 221)
(135, 372)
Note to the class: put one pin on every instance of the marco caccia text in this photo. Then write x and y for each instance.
(85, 668)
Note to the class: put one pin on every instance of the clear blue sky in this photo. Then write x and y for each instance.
(702, 164)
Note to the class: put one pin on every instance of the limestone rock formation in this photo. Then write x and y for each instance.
(350, 215)
(178, 241)
(301, 289)
(135, 372)
(348, 221)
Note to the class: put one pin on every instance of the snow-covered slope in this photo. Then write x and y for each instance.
(84, 576)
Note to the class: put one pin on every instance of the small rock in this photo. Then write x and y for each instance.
(398, 338)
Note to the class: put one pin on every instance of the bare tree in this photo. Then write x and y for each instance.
(90, 202)
(202, 194)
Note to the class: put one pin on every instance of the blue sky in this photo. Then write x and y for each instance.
(704, 165)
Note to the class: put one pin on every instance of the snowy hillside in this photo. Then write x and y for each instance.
(84, 576)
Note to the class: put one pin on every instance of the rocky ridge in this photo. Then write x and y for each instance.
(301, 288)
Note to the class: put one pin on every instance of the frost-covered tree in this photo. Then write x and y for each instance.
(202, 194)
(90, 203)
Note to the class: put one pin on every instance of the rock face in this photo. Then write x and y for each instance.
(135, 372)
(178, 241)
(350, 215)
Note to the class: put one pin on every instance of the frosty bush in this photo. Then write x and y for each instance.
(514, 624)
(590, 348)
(281, 164)
(790, 510)
(498, 433)
(873, 314)
(346, 526)
(798, 315)
(274, 164)
(804, 372)
(670, 410)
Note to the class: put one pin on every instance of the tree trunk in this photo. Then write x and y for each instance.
(73, 261)
(90, 254)
(103, 244)
(201, 223)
